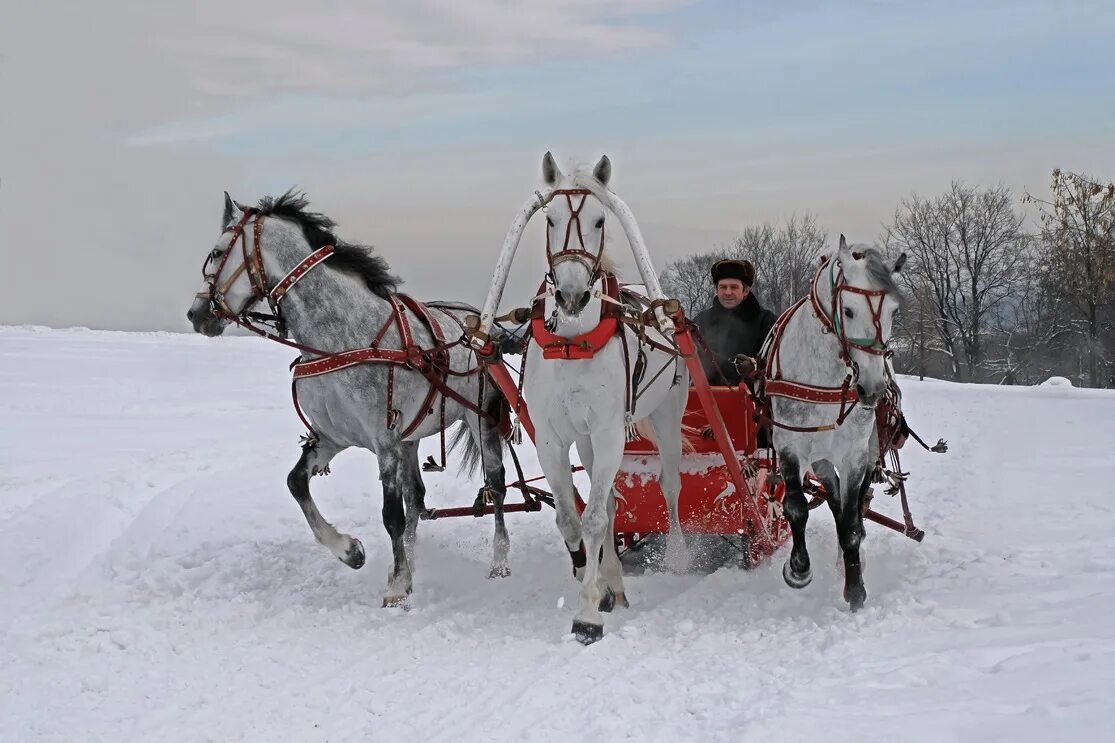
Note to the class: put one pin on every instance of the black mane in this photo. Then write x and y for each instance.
(318, 230)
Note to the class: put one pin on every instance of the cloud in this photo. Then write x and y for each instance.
(257, 48)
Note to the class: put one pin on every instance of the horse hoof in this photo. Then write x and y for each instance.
(607, 601)
(796, 580)
(395, 602)
(499, 571)
(587, 633)
(856, 596)
(354, 555)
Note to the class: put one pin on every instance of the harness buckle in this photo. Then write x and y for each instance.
(416, 358)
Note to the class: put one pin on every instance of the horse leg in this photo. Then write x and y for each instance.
(796, 571)
(393, 477)
(315, 458)
(667, 427)
(490, 441)
(607, 455)
(553, 457)
(843, 499)
(849, 529)
(611, 569)
(414, 492)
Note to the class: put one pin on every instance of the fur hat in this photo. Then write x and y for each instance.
(732, 269)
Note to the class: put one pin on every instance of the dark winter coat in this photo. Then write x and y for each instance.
(731, 332)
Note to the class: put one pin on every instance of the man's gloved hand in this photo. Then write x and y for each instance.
(746, 365)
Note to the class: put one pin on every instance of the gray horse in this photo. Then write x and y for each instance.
(397, 394)
(825, 371)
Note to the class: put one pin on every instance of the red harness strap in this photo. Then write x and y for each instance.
(809, 393)
(421, 360)
(773, 385)
(432, 363)
(345, 359)
(582, 346)
(299, 271)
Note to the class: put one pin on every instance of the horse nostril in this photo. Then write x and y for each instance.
(190, 315)
(585, 297)
(867, 399)
(559, 297)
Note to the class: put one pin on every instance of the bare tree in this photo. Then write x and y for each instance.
(1078, 235)
(1033, 327)
(785, 259)
(964, 250)
(914, 343)
(689, 280)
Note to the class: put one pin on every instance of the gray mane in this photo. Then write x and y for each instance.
(879, 270)
(317, 228)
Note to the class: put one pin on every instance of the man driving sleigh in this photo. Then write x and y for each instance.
(735, 325)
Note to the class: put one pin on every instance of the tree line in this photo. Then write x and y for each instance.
(986, 298)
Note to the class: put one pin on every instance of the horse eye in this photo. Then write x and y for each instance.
(600, 223)
(848, 312)
(217, 253)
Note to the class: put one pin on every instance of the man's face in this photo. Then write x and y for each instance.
(730, 292)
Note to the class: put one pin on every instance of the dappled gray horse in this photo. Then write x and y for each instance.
(378, 370)
(825, 372)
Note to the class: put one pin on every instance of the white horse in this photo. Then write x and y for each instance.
(594, 398)
(825, 371)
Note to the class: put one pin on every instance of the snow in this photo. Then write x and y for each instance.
(1057, 382)
(159, 583)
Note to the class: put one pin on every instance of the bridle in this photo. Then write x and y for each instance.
(586, 258)
(832, 319)
(252, 264)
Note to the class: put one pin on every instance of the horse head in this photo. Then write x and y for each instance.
(575, 239)
(229, 274)
(860, 303)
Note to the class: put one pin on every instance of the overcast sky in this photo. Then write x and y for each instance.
(420, 126)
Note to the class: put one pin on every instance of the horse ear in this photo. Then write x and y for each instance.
(898, 264)
(603, 170)
(232, 211)
(844, 250)
(550, 172)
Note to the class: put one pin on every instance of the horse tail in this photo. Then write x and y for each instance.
(496, 408)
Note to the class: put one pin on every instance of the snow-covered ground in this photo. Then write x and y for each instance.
(159, 583)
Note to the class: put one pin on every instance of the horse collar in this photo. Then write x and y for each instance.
(585, 345)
